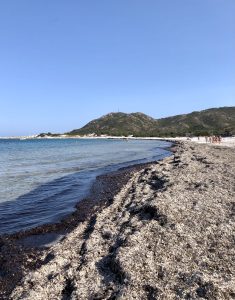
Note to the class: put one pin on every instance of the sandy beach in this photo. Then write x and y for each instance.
(165, 233)
(117, 150)
(225, 141)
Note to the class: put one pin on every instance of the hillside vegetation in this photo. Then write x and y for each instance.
(207, 122)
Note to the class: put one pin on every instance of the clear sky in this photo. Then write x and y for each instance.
(66, 62)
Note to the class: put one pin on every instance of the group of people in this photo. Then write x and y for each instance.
(214, 139)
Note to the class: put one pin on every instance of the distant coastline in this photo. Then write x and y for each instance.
(213, 121)
(226, 141)
(64, 136)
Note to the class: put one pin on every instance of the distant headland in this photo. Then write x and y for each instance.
(213, 121)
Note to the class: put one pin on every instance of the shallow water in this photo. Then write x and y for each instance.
(42, 180)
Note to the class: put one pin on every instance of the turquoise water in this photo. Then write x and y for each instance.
(42, 180)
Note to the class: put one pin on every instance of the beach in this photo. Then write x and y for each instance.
(225, 141)
(166, 231)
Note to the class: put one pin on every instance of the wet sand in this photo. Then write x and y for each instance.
(163, 231)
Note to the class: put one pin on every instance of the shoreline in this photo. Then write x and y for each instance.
(13, 245)
(226, 141)
(63, 179)
(166, 233)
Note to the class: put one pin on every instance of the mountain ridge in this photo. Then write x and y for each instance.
(206, 122)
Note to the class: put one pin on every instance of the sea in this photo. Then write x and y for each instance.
(41, 180)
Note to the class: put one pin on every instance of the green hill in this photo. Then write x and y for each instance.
(206, 122)
(118, 124)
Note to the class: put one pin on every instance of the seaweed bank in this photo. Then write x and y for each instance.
(168, 233)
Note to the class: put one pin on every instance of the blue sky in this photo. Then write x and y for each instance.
(63, 63)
